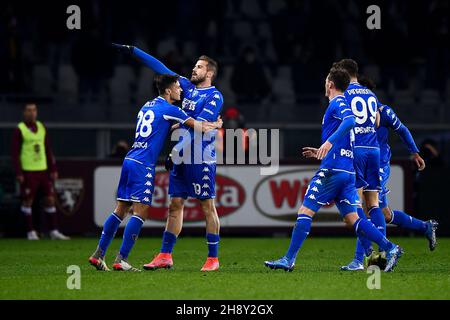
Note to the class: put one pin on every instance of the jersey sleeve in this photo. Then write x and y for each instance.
(172, 112)
(185, 83)
(212, 108)
(342, 110)
(389, 119)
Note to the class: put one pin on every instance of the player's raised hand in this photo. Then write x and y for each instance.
(323, 150)
(420, 163)
(309, 152)
(123, 47)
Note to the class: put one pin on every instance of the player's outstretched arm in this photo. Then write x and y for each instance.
(203, 126)
(148, 60)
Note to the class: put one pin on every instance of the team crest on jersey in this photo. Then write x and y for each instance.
(69, 195)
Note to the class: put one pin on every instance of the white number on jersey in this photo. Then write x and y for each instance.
(144, 125)
(197, 188)
(362, 114)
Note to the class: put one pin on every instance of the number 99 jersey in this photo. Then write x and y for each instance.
(364, 105)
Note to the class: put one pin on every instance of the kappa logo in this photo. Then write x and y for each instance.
(205, 194)
(318, 181)
(315, 189)
(216, 96)
(213, 103)
(146, 199)
(341, 104)
(205, 170)
(203, 95)
(311, 196)
(149, 175)
(147, 191)
(205, 177)
(206, 186)
(148, 183)
(321, 174)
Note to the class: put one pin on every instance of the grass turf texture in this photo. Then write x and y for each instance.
(37, 270)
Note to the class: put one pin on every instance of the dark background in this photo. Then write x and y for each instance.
(273, 56)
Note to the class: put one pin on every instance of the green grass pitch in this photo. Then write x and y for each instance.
(38, 270)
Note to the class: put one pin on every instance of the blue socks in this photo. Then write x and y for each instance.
(299, 234)
(377, 218)
(130, 235)
(213, 244)
(109, 230)
(404, 220)
(168, 241)
(363, 245)
(366, 229)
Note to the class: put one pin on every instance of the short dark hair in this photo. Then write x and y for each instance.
(340, 78)
(366, 82)
(29, 103)
(212, 65)
(164, 81)
(348, 65)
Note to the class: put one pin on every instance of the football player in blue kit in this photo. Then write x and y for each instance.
(335, 180)
(388, 120)
(203, 102)
(364, 105)
(138, 170)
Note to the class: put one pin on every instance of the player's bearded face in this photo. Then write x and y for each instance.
(199, 72)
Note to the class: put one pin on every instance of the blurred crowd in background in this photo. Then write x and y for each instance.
(273, 56)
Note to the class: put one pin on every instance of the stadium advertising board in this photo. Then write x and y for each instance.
(244, 198)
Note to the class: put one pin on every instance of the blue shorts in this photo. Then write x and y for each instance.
(367, 168)
(136, 182)
(193, 180)
(327, 186)
(384, 177)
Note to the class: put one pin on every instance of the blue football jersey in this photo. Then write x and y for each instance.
(364, 105)
(153, 124)
(389, 120)
(340, 157)
(202, 104)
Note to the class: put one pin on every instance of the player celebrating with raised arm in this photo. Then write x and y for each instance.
(138, 170)
(335, 180)
(202, 101)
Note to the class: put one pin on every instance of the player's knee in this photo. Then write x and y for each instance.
(176, 206)
(208, 208)
(122, 209)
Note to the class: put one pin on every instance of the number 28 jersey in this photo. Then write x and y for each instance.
(153, 124)
(364, 105)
